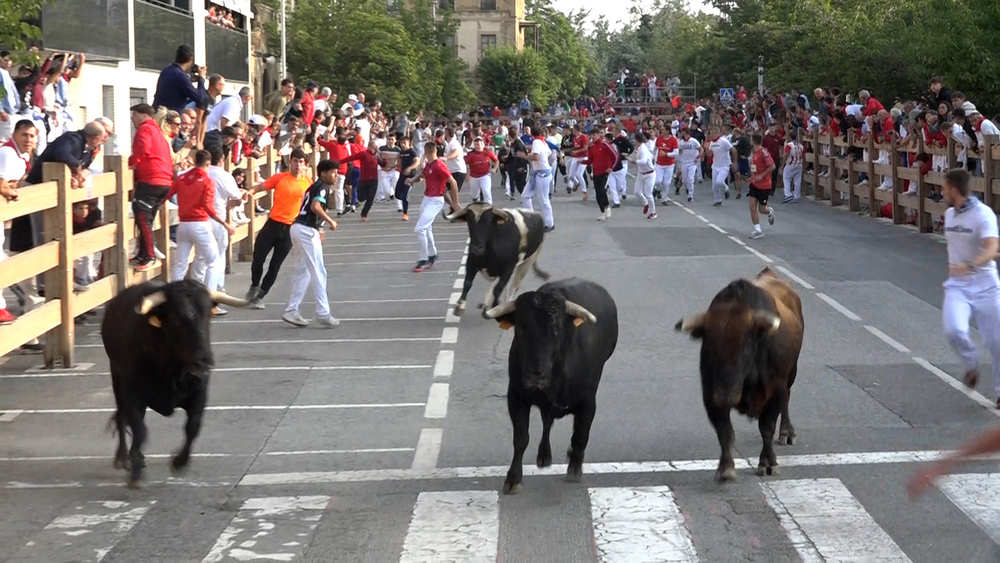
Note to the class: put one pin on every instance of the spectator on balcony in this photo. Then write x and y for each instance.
(227, 112)
(175, 88)
(153, 169)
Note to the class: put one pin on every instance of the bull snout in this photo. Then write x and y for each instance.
(477, 250)
(535, 380)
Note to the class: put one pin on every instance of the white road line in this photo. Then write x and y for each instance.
(104, 457)
(458, 284)
(760, 255)
(810, 460)
(445, 363)
(449, 335)
(977, 495)
(837, 526)
(369, 301)
(887, 339)
(461, 270)
(956, 384)
(87, 533)
(428, 449)
(450, 317)
(453, 299)
(453, 526)
(305, 341)
(737, 240)
(717, 228)
(277, 528)
(342, 406)
(788, 274)
(9, 416)
(81, 366)
(691, 211)
(840, 308)
(236, 370)
(639, 524)
(437, 401)
(465, 258)
(702, 219)
(347, 320)
(338, 452)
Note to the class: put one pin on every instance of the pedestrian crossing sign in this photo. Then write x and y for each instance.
(727, 95)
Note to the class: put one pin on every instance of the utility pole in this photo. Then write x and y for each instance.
(284, 52)
(760, 74)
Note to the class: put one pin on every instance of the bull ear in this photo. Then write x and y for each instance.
(765, 320)
(154, 321)
(767, 273)
(694, 325)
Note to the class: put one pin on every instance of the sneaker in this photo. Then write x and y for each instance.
(6, 318)
(256, 304)
(603, 216)
(159, 254)
(219, 312)
(615, 205)
(971, 378)
(364, 219)
(645, 209)
(665, 202)
(549, 229)
(328, 322)
(788, 199)
(770, 217)
(717, 204)
(135, 261)
(739, 195)
(420, 266)
(584, 196)
(406, 217)
(651, 216)
(690, 199)
(33, 345)
(79, 287)
(727, 193)
(624, 197)
(294, 318)
(252, 292)
(146, 265)
(431, 261)
(755, 234)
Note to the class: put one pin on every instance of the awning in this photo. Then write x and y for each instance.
(238, 6)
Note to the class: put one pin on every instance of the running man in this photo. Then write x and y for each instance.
(645, 175)
(307, 240)
(666, 153)
(689, 153)
(440, 186)
(275, 236)
(761, 166)
(723, 163)
(482, 163)
(972, 289)
(541, 158)
(195, 193)
(409, 160)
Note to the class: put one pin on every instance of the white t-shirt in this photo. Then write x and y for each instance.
(644, 157)
(456, 164)
(228, 108)
(366, 130)
(542, 149)
(688, 151)
(721, 155)
(965, 233)
(319, 104)
(12, 165)
(264, 139)
(225, 189)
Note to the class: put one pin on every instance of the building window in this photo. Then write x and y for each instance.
(488, 5)
(486, 42)
(136, 96)
(446, 4)
(68, 26)
(158, 32)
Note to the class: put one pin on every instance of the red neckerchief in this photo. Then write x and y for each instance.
(17, 151)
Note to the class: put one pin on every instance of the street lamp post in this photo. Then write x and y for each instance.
(284, 56)
(760, 75)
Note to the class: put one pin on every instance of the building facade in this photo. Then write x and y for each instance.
(483, 24)
(128, 42)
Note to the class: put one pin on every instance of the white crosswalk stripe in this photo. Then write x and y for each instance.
(817, 519)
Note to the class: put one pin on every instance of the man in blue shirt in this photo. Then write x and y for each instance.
(174, 88)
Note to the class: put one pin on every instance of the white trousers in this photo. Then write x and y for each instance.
(793, 176)
(644, 183)
(538, 186)
(616, 184)
(199, 269)
(338, 194)
(719, 176)
(197, 235)
(387, 183)
(961, 304)
(3, 256)
(482, 185)
(578, 174)
(688, 171)
(429, 209)
(309, 270)
(664, 176)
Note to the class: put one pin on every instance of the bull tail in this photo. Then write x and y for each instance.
(112, 425)
(540, 272)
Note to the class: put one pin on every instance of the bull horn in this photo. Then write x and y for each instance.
(579, 312)
(221, 298)
(767, 272)
(502, 309)
(690, 323)
(765, 320)
(150, 302)
(456, 215)
(501, 213)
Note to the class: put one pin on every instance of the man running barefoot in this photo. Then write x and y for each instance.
(761, 166)
(440, 186)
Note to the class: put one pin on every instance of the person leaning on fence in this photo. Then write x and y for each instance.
(153, 169)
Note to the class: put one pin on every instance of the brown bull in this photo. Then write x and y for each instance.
(751, 336)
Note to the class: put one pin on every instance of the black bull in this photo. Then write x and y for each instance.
(503, 245)
(751, 337)
(157, 339)
(564, 332)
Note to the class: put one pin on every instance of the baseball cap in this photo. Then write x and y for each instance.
(257, 119)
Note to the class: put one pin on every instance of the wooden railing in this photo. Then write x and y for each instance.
(53, 259)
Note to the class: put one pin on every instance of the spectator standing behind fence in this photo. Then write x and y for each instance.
(175, 87)
(15, 158)
(227, 112)
(153, 169)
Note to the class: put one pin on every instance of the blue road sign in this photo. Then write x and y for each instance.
(727, 95)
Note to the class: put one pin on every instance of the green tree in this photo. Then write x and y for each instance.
(569, 63)
(506, 74)
(15, 22)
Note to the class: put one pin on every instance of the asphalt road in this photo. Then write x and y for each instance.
(387, 439)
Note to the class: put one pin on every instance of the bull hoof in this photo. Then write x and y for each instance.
(544, 460)
(512, 488)
(727, 474)
(459, 309)
(574, 476)
(763, 469)
(122, 463)
(481, 306)
(785, 439)
(133, 484)
(179, 463)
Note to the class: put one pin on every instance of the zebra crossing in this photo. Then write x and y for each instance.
(813, 519)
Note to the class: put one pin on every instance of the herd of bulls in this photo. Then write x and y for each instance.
(157, 337)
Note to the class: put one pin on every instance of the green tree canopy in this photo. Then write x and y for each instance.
(506, 75)
(570, 66)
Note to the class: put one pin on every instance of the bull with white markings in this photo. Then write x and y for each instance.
(751, 337)
(157, 339)
(564, 332)
(503, 245)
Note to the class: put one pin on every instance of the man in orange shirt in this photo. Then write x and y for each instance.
(195, 192)
(275, 235)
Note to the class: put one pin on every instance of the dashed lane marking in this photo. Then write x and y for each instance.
(887, 339)
(449, 335)
(303, 341)
(737, 240)
(788, 273)
(840, 308)
(428, 449)
(760, 255)
(717, 228)
(958, 385)
(445, 364)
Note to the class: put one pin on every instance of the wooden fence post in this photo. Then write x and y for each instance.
(162, 241)
(817, 189)
(873, 207)
(924, 221)
(116, 207)
(833, 172)
(58, 225)
(853, 201)
(898, 213)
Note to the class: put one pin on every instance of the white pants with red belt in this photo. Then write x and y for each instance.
(484, 185)
(644, 183)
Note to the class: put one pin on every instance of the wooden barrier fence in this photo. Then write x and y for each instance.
(53, 259)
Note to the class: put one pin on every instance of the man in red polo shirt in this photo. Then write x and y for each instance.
(440, 186)
(761, 167)
(481, 163)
